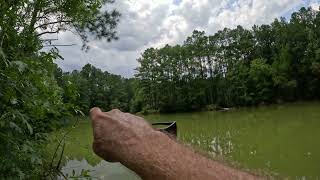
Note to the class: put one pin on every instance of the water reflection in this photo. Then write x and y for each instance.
(103, 170)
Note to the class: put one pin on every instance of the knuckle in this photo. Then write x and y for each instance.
(94, 110)
(115, 111)
(95, 113)
(100, 115)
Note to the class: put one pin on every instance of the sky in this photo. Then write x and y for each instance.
(155, 23)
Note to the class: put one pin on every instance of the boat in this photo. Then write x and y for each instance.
(171, 128)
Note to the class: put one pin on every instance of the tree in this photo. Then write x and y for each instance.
(31, 102)
(234, 67)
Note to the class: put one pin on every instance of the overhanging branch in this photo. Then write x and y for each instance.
(59, 45)
(55, 22)
(48, 32)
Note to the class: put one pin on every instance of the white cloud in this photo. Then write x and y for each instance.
(146, 23)
(315, 6)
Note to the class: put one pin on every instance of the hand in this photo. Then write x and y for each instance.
(130, 140)
(117, 135)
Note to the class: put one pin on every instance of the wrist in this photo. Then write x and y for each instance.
(150, 155)
(143, 146)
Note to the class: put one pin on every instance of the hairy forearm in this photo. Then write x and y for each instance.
(129, 139)
(159, 157)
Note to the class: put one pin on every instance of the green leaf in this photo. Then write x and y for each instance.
(20, 65)
(85, 173)
(15, 126)
(28, 126)
(2, 53)
(14, 101)
(79, 112)
(35, 159)
(3, 56)
(2, 124)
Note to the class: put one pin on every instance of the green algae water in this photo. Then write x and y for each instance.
(283, 139)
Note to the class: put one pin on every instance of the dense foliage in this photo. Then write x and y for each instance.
(91, 87)
(235, 67)
(31, 101)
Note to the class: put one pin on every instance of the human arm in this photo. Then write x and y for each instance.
(130, 140)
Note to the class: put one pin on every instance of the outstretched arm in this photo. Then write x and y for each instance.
(130, 140)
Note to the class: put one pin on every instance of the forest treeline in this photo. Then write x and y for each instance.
(92, 87)
(234, 67)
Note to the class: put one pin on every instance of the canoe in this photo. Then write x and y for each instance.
(171, 128)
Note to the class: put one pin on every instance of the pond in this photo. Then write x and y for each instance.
(282, 139)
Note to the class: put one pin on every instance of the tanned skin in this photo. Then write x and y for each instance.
(130, 140)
